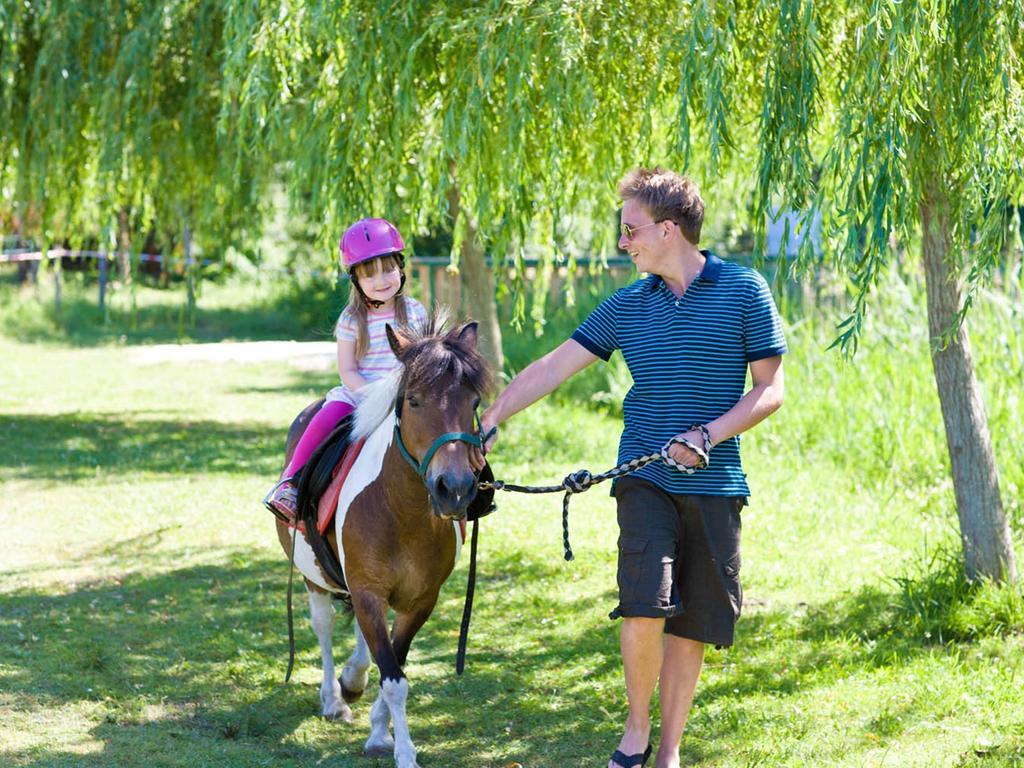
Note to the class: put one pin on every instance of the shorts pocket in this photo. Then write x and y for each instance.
(733, 587)
(631, 567)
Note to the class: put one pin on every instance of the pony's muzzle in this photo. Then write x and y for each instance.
(451, 493)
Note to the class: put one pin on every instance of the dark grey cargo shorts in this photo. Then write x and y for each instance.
(679, 558)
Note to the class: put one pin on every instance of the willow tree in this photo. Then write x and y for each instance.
(508, 121)
(111, 113)
(483, 117)
(913, 111)
(893, 118)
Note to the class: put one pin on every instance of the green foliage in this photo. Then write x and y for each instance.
(932, 99)
(114, 107)
(943, 604)
(182, 111)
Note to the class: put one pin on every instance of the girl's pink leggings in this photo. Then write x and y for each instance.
(326, 419)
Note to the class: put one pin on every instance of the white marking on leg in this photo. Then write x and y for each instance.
(458, 538)
(356, 670)
(321, 616)
(380, 741)
(395, 693)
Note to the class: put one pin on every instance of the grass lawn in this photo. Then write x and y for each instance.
(142, 590)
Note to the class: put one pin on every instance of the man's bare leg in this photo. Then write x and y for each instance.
(680, 670)
(641, 640)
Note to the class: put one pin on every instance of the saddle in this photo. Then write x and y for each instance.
(328, 503)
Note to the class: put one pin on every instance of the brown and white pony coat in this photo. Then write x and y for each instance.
(398, 533)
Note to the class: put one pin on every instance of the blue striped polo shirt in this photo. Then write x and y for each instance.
(688, 358)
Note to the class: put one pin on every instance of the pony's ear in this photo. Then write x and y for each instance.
(467, 333)
(397, 341)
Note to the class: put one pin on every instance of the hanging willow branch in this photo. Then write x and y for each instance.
(536, 108)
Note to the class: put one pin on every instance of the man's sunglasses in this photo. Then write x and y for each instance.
(628, 230)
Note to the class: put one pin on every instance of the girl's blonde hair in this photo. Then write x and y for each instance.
(358, 307)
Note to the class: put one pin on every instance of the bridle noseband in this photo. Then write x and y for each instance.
(420, 467)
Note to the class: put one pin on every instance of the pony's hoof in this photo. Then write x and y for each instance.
(379, 747)
(353, 682)
(339, 713)
(349, 695)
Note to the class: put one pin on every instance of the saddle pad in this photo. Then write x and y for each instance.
(329, 500)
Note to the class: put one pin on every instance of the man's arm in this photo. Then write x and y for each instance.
(762, 400)
(536, 380)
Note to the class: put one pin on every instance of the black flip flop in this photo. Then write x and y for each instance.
(632, 761)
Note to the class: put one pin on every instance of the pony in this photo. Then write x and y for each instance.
(396, 530)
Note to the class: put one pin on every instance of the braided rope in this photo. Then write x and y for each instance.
(582, 480)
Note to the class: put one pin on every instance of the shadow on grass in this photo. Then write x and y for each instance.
(191, 660)
(81, 445)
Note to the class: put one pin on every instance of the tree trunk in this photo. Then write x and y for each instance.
(124, 244)
(988, 549)
(190, 277)
(58, 304)
(28, 271)
(477, 284)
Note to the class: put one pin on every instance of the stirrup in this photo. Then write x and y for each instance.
(272, 491)
(269, 498)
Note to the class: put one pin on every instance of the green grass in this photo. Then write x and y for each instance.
(142, 588)
(241, 308)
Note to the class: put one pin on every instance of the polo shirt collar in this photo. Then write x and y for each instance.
(712, 267)
(710, 272)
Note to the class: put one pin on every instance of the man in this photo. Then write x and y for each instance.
(688, 333)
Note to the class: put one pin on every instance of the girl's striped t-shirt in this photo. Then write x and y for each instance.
(379, 360)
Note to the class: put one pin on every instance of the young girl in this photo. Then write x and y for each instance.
(371, 251)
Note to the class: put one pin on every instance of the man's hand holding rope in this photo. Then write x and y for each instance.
(679, 452)
(488, 429)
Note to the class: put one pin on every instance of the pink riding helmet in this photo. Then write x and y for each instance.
(367, 239)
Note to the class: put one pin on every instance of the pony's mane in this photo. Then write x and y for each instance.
(375, 402)
(431, 353)
(435, 352)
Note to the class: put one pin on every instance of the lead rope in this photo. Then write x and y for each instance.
(467, 611)
(291, 624)
(582, 480)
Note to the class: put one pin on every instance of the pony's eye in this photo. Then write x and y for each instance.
(476, 403)
(413, 401)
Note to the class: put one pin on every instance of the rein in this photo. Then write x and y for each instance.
(582, 479)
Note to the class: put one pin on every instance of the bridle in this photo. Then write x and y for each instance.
(420, 467)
